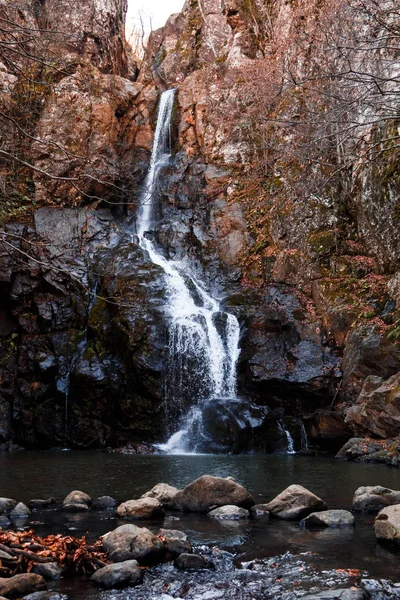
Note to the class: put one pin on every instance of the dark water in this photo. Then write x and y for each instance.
(41, 474)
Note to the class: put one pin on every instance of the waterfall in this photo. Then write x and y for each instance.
(203, 340)
(289, 440)
(303, 436)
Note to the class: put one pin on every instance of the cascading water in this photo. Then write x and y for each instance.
(203, 340)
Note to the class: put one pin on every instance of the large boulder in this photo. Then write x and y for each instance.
(120, 574)
(229, 513)
(20, 585)
(329, 518)
(295, 502)
(129, 542)
(377, 410)
(162, 492)
(208, 492)
(387, 524)
(373, 498)
(144, 508)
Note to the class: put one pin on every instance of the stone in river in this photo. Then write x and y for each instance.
(163, 492)
(104, 503)
(229, 512)
(144, 508)
(295, 502)
(76, 501)
(387, 524)
(119, 574)
(208, 492)
(20, 585)
(374, 498)
(131, 542)
(329, 518)
(192, 562)
(6, 505)
(176, 541)
(19, 511)
(50, 570)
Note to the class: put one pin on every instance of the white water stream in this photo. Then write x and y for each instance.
(203, 340)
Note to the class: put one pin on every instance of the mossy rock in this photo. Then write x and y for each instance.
(321, 244)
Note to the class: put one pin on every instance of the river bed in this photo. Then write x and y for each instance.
(29, 475)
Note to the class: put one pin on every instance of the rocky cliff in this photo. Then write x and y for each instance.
(283, 194)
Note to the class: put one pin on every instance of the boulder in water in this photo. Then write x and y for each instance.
(39, 504)
(162, 492)
(20, 585)
(117, 575)
(104, 503)
(176, 541)
(209, 492)
(295, 502)
(51, 570)
(229, 512)
(374, 498)
(6, 505)
(329, 518)
(20, 511)
(144, 508)
(76, 501)
(387, 524)
(131, 542)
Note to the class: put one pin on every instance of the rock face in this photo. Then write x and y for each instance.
(129, 542)
(377, 410)
(370, 450)
(387, 524)
(374, 498)
(207, 492)
(295, 502)
(329, 518)
(312, 277)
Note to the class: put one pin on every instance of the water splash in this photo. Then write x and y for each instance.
(203, 340)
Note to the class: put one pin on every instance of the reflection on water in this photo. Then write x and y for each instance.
(42, 474)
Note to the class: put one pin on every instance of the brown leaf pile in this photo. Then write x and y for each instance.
(25, 550)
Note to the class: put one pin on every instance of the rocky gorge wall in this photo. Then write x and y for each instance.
(310, 270)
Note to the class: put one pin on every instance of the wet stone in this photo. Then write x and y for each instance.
(6, 505)
(192, 562)
(329, 518)
(229, 513)
(259, 510)
(117, 575)
(104, 503)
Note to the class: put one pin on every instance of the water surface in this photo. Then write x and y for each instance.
(41, 474)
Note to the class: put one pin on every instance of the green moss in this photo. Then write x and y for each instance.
(321, 243)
